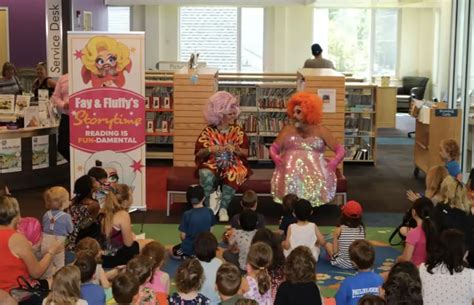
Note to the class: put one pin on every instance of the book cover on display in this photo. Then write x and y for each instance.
(21, 102)
(32, 117)
(40, 156)
(10, 155)
(7, 103)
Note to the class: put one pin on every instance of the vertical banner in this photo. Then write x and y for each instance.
(107, 107)
(54, 30)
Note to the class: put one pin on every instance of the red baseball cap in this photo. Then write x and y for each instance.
(352, 209)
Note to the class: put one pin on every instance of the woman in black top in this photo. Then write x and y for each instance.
(42, 80)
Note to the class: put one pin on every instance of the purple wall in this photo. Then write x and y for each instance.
(27, 27)
(27, 31)
(99, 13)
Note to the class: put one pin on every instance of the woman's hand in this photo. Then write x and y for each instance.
(412, 196)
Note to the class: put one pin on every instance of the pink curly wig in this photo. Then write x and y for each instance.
(219, 104)
(311, 105)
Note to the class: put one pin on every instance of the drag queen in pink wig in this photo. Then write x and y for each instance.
(221, 150)
(298, 153)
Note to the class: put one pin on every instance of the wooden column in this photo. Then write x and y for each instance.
(192, 89)
(386, 107)
(315, 79)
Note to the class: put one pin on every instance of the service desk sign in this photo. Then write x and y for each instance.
(54, 33)
(107, 108)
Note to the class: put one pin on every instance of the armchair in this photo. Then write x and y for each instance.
(412, 87)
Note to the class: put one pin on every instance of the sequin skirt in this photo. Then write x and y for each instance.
(305, 174)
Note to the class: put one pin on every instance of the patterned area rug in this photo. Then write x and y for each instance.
(328, 277)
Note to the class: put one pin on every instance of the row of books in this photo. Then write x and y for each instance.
(353, 100)
(246, 96)
(271, 124)
(357, 124)
(159, 140)
(159, 102)
(248, 122)
(357, 152)
(159, 123)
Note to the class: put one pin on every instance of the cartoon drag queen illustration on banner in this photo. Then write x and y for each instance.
(107, 107)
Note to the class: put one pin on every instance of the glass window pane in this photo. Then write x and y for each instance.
(211, 32)
(349, 40)
(251, 39)
(118, 18)
(385, 57)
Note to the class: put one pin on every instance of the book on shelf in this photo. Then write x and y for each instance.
(245, 96)
(156, 102)
(248, 122)
(150, 126)
(276, 98)
(147, 102)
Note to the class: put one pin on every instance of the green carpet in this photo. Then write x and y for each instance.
(328, 277)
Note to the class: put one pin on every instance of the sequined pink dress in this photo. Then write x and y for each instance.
(304, 171)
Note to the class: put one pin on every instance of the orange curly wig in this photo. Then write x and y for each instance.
(311, 105)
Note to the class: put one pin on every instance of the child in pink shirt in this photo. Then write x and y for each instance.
(421, 239)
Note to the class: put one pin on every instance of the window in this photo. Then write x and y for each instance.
(118, 19)
(385, 56)
(229, 38)
(348, 40)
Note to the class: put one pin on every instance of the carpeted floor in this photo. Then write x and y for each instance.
(328, 277)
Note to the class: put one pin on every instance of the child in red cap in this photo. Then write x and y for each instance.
(350, 228)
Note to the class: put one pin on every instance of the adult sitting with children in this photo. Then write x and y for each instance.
(18, 258)
(221, 151)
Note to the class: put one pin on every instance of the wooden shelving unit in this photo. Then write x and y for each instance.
(429, 136)
(360, 122)
(192, 89)
(159, 142)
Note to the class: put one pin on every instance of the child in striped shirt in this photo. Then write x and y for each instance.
(350, 228)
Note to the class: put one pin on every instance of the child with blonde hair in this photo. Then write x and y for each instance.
(57, 225)
(66, 287)
(160, 280)
(434, 178)
(257, 283)
(189, 279)
(141, 266)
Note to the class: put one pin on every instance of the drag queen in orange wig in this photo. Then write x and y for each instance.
(298, 153)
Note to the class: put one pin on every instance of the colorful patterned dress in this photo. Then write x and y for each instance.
(233, 170)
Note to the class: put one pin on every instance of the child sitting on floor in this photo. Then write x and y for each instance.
(195, 221)
(205, 247)
(160, 280)
(141, 266)
(125, 288)
(189, 278)
(288, 218)
(94, 294)
(366, 281)
(303, 232)
(350, 228)
(228, 281)
(249, 202)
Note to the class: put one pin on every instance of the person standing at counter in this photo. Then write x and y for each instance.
(9, 84)
(60, 99)
(318, 61)
(42, 80)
